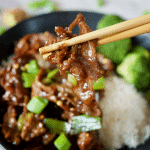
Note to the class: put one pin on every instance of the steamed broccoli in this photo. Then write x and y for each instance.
(141, 50)
(135, 70)
(116, 51)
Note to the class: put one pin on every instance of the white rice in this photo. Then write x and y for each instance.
(126, 115)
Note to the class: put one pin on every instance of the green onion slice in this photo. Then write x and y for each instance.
(83, 123)
(37, 4)
(47, 80)
(27, 79)
(2, 30)
(52, 73)
(100, 3)
(79, 124)
(56, 126)
(72, 79)
(99, 84)
(62, 142)
(33, 67)
(37, 104)
(51, 6)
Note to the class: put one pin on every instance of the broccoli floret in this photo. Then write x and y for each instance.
(141, 50)
(116, 51)
(147, 96)
(135, 70)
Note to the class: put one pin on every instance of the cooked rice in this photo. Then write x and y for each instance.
(126, 115)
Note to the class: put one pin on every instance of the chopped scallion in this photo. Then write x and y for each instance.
(2, 30)
(62, 142)
(47, 81)
(83, 123)
(100, 3)
(79, 124)
(48, 4)
(52, 73)
(27, 79)
(38, 4)
(99, 84)
(56, 126)
(37, 104)
(72, 79)
(51, 6)
(146, 12)
(33, 67)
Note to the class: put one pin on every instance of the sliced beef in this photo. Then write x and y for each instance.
(33, 127)
(12, 83)
(81, 61)
(31, 43)
(87, 141)
(10, 128)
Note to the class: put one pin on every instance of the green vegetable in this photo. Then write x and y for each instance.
(116, 51)
(56, 126)
(135, 70)
(62, 143)
(51, 6)
(79, 124)
(43, 3)
(142, 51)
(100, 3)
(72, 79)
(37, 104)
(22, 119)
(2, 30)
(27, 79)
(84, 123)
(145, 12)
(50, 75)
(99, 84)
(33, 67)
(147, 95)
(38, 4)
(47, 81)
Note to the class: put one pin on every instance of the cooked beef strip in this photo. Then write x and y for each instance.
(31, 43)
(81, 60)
(33, 127)
(12, 83)
(87, 140)
(10, 128)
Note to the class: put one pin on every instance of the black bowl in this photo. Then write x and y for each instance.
(47, 22)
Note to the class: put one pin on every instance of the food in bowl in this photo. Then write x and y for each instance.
(50, 106)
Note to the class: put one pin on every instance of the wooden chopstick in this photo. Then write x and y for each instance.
(126, 34)
(102, 33)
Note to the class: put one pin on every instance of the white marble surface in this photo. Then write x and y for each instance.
(127, 9)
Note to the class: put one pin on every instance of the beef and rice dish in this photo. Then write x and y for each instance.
(48, 101)
(71, 99)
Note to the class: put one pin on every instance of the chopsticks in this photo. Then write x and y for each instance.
(123, 30)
